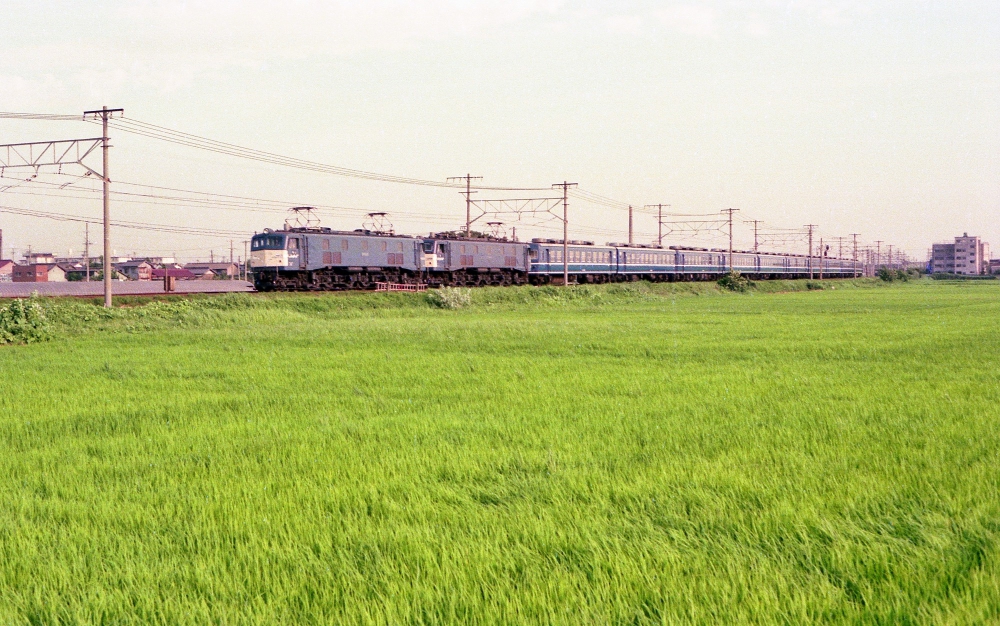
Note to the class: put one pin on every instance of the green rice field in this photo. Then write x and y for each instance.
(628, 454)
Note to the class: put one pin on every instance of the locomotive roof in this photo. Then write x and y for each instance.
(359, 232)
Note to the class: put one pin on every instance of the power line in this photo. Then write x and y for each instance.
(161, 133)
(165, 228)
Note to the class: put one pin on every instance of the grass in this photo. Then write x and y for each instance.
(631, 454)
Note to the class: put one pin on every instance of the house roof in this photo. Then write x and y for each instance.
(133, 263)
(48, 266)
(176, 272)
(6, 262)
(210, 266)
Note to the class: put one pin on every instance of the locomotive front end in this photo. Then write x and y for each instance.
(267, 250)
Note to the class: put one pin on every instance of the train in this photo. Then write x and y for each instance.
(313, 258)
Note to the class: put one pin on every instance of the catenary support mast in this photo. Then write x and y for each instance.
(468, 178)
(810, 227)
(730, 219)
(565, 200)
(105, 114)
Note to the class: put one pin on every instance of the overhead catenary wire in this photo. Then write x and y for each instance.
(153, 131)
(223, 201)
(166, 228)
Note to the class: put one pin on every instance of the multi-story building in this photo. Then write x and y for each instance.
(35, 258)
(968, 255)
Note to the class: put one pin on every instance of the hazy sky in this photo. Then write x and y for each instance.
(881, 118)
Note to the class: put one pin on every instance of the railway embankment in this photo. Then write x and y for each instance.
(52, 317)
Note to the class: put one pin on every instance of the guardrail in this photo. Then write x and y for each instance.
(399, 287)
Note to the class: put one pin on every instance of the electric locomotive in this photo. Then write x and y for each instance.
(310, 258)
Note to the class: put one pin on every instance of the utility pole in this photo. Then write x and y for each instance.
(659, 221)
(730, 212)
(565, 189)
(468, 178)
(230, 251)
(822, 257)
(878, 254)
(211, 256)
(246, 261)
(890, 257)
(1, 243)
(810, 227)
(854, 265)
(86, 248)
(630, 224)
(104, 114)
(755, 222)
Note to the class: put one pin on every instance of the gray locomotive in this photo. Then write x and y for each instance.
(320, 259)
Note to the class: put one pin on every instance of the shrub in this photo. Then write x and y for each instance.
(450, 297)
(23, 321)
(734, 281)
(890, 275)
(813, 285)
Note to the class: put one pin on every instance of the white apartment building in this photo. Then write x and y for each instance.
(968, 255)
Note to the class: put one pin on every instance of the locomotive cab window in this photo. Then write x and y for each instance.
(293, 244)
(269, 242)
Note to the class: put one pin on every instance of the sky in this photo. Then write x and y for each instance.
(878, 118)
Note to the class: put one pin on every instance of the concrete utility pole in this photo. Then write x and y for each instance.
(659, 221)
(1, 243)
(878, 254)
(104, 114)
(730, 212)
(630, 224)
(854, 265)
(565, 200)
(822, 256)
(246, 261)
(810, 227)
(891, 266)
(86, 249)
(468, 178)
(755, 222)
(230, 251)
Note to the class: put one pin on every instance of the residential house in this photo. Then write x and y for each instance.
(6, 270)
(135, 270)
(39, 273)
(218, 270)
(179, 273)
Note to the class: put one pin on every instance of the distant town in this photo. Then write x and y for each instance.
(45, 267)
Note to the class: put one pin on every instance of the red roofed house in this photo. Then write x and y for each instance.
(39, 273)
(178, 273)
(213, 270)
